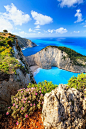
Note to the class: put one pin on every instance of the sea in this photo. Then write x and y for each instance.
(56, 75)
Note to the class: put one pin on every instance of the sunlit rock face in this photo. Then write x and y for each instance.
(52, 56)
(63, 109)
(23, 42)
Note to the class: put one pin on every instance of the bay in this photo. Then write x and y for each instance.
(56, 75)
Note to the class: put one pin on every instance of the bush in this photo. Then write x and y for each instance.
(5, 31)
(26, 101)
(7, 61)
(45, 86)
(78, 82)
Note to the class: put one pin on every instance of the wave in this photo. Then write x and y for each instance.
(37, 71)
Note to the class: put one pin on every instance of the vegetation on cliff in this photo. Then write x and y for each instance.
(26, 101)
(77, 58)
(8, 63)
(78, 82)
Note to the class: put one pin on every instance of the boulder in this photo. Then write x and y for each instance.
(63, 109)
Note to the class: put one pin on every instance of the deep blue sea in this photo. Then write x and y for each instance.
(56, 75)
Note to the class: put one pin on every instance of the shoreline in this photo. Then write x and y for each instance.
(34, 69)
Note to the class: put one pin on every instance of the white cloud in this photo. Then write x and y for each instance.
(37, 29)
(76, 31)
(38, 26)
(40, 18)
(30, 30)
(51, 31)
(5, 24)
(84, 26)
(17, 16)
(61, 30)
(45, 31)
(78, 15)
(39, 32)
(24, 34)
(69, 3)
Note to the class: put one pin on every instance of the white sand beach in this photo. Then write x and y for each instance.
(34, 68)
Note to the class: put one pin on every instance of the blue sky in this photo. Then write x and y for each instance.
(44, 18)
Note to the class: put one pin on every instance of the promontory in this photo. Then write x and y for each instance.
(61, 57)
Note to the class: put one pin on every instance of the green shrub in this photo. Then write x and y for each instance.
(78, 82)
(9, 42)
(7, 61)
(5, 31)
(45, 86)
(26, 101)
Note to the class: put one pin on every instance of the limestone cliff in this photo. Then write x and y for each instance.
(54, 56)
(11, 82)
(23, 42)
(63, 109)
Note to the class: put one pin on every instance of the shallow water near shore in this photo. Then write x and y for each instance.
(55, 74)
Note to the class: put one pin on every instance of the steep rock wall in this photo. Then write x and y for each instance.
(10, 83)
(23, 42)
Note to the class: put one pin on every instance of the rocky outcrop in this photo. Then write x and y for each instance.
(23, 42)
(63, 109)
(10, 83)
(52, 56)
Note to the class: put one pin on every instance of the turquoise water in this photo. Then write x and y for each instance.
(55, 74)
(77, 44)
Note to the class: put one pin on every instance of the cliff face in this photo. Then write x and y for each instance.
(23, 42)
(63, 109)
(53, 56)
(10, 83)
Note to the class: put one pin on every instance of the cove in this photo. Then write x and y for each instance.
(56, 75)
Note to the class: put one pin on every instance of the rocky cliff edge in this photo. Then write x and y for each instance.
(12, 81)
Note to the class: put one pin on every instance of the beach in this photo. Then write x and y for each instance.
(34, 69)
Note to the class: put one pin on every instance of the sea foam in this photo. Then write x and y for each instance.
(37, 71)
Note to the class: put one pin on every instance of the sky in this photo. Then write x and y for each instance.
(44, 18)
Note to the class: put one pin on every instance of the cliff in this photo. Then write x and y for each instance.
(14, 70)
(61, 57)
(23, 42)
(63, 109)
